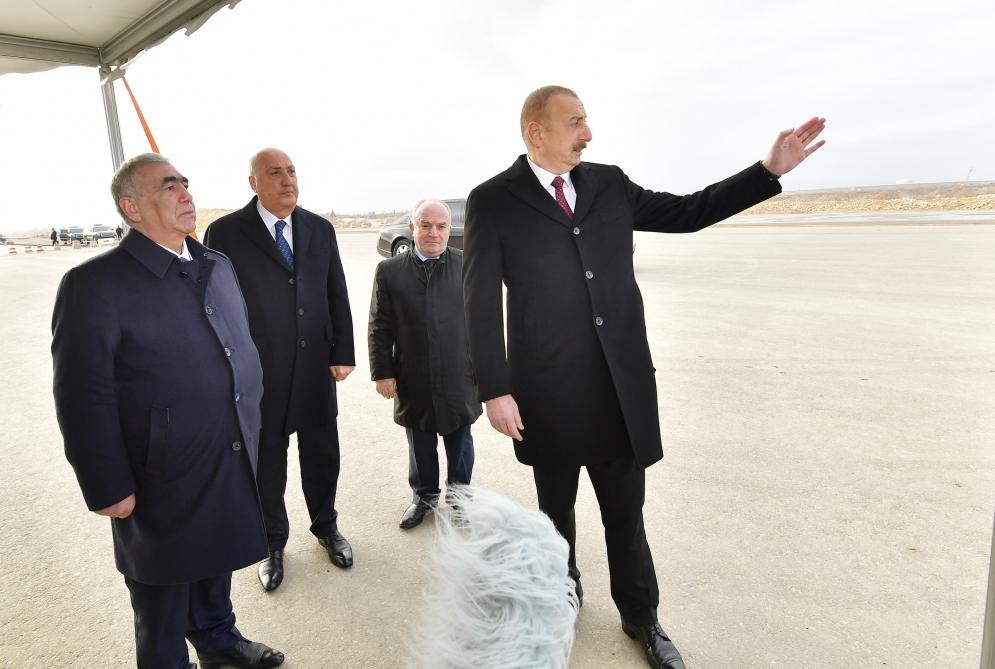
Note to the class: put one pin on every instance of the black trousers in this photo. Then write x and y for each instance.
(423, 461)
(318, 449)
(166, 614)
(620, 486)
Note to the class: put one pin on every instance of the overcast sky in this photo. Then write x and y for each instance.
(383, 103)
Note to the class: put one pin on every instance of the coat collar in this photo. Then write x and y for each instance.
(523, 184)
(155, 258)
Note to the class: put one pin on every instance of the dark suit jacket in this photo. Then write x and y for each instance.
(157, 390)
(578, 362)
(300, 320)
(417, 335)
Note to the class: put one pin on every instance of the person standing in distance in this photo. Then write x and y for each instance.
(576, 387)
(419, 356)
(157, 388)
(288, 264)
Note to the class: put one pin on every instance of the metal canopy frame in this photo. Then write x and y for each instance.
(115, 40)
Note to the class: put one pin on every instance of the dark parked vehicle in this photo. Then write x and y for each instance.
(103, 232)
(71, 234)
(395, 238)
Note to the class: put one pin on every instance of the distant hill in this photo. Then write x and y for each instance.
(372, 221)
(902, 197)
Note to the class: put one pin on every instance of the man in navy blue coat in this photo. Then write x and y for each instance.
(157, 390)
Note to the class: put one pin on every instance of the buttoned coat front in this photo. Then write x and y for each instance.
(577, 361)
(417, 335)
(157, 389)
(300, 319)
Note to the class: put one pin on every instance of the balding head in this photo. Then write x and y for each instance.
(273, 177)
(430, 226)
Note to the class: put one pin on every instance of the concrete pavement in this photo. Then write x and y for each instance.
(826, 498)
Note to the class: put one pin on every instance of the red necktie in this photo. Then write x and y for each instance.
(561, 199)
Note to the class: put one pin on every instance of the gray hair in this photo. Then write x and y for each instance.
(422, 203)
(123, 183)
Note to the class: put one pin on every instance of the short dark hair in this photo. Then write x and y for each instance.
(534, 108)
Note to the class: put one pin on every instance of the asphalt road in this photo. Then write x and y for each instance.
(826, 498)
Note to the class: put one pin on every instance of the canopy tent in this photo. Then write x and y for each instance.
(38, 35)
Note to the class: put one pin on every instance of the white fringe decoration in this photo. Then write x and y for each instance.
(499, 596)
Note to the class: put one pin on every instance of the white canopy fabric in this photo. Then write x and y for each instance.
(37, 35)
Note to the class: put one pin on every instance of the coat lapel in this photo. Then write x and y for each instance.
(256, 231)
(522, 183)
(586, 186)
(302, 234)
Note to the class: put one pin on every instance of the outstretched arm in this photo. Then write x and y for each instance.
(792, 146)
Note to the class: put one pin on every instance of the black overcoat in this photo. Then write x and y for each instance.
(157, 389)
(417, 335)
(578, 362)
(300, 320)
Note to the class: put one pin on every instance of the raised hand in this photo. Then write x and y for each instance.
(792, 146)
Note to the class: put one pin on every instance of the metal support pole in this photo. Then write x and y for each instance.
(110, 115)
(988, 638)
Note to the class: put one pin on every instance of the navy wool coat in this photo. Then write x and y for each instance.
(300, 319)
(157, 390)
(417, 335)
(578, 361)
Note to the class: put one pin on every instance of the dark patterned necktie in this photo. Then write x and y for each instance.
(282, 246)
(561, 199)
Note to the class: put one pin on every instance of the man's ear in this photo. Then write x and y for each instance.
(130, 209)
(411, 227)
(252, 183)
(534, 132)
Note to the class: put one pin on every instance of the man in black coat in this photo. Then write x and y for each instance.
(288, 264)
(576, 387)
(419, 355)
(157, 390)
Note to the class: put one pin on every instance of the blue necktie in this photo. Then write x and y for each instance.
(282, 246)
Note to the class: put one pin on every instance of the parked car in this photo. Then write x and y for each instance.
(71, 234)
(395, 238)
(102, 232)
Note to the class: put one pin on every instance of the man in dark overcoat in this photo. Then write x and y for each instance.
(576, 386)
(287, 261)
(157, 389)
(419, 356)
(288, 264)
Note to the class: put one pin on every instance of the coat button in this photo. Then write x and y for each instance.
(209, 309)
(598, 320)
(227, 351)
(303, 344)
(589, 274)
(300, 312)
(290, 281)
(184, 275)
(237, 446)
(238, 396)
(576, 231)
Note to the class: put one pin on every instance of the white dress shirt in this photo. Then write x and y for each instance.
(270, 221)
(183, 255)
(546, 179)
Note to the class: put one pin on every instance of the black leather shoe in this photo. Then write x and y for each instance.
(339, 550)
(246, 655)
(414, 514)
(660, 650)
(270, 571)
